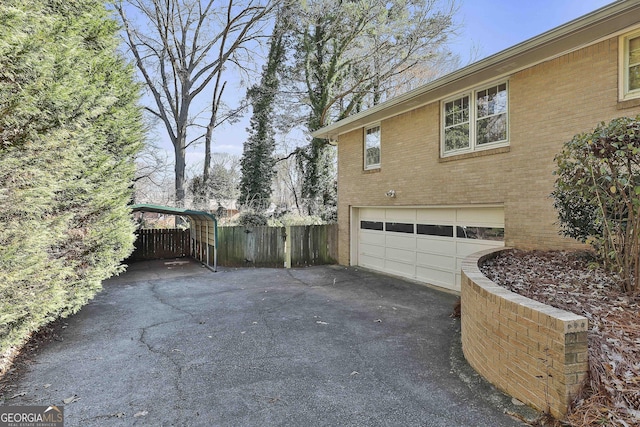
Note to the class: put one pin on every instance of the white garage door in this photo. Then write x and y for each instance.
(426, 244)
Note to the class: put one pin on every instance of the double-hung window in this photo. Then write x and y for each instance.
(372, 147)
(630, 66)
(476, 120)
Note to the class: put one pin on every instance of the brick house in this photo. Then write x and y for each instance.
(465, 163)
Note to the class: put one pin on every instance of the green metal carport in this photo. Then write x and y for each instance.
(203, 231)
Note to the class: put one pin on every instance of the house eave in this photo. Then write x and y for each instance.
(588, 29)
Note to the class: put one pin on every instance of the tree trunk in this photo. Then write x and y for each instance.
(180, 151)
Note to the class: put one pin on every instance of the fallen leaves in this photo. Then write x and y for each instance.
(71, 399)
(572, 281)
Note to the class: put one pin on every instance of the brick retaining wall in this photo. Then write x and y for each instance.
(532, 351)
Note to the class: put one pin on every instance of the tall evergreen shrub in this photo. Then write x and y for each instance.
(70, 128)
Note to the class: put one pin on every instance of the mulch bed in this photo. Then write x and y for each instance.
(574, 282)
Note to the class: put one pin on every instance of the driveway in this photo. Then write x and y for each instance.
(173, 344)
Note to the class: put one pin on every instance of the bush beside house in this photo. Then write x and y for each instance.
(597, 195)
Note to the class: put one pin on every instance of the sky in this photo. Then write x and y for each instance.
(495, 25)
(486, 27)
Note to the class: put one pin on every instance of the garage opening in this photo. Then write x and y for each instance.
(424, 244)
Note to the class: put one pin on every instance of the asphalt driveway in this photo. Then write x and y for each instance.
(173, 344)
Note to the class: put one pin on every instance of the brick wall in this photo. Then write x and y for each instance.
(534, 352)
(548, 104)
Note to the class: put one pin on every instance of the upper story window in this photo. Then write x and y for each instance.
(476, 120)
(630, 66)
(372, 147)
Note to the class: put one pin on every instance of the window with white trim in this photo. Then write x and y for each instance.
(372, 147)
(630, 66)
(476, 120)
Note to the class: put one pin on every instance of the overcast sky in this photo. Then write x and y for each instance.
(486, 27)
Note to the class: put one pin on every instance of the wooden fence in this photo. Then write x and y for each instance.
(312, 245)
(161, 243)
(294, 246)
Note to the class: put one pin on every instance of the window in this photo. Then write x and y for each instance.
(371, 225)
(399, 227)
(476, 121)
(482, 233)
(456, 128)
(630, 66)
(372, 147)
(435, 230)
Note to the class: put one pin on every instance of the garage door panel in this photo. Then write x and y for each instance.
(435, 216)
(402, 255)
(446, 279)
(423, 243)
(430, 260)
(371, 262)
(466, 247)
(372, 238)
(399, 268)
(400, 241)
(372, 214)
(400, 215)
(373, 250)
(439, 245)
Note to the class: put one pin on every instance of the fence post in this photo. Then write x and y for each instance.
(287, 246)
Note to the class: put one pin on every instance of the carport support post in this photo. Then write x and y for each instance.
(207, 233)
(287, 247)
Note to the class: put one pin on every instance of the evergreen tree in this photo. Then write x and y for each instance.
(257, 163)
(70, 128)
(221, 186)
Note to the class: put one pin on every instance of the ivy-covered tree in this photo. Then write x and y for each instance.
(597, 195)
(351, 56)
(70, 129)
(258, 162)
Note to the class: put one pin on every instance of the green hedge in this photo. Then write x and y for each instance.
(70, 128)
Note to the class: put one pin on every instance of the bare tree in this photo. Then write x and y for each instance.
(287, 185)
(182, 48)
(353, 55)
(152, 182)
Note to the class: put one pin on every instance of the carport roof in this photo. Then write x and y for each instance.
(204, 225)
(168, 210)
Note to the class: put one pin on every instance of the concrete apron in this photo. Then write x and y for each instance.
(172, 344)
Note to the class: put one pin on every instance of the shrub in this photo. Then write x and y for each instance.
(252, 219)
(70, 128)
(597, 194)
